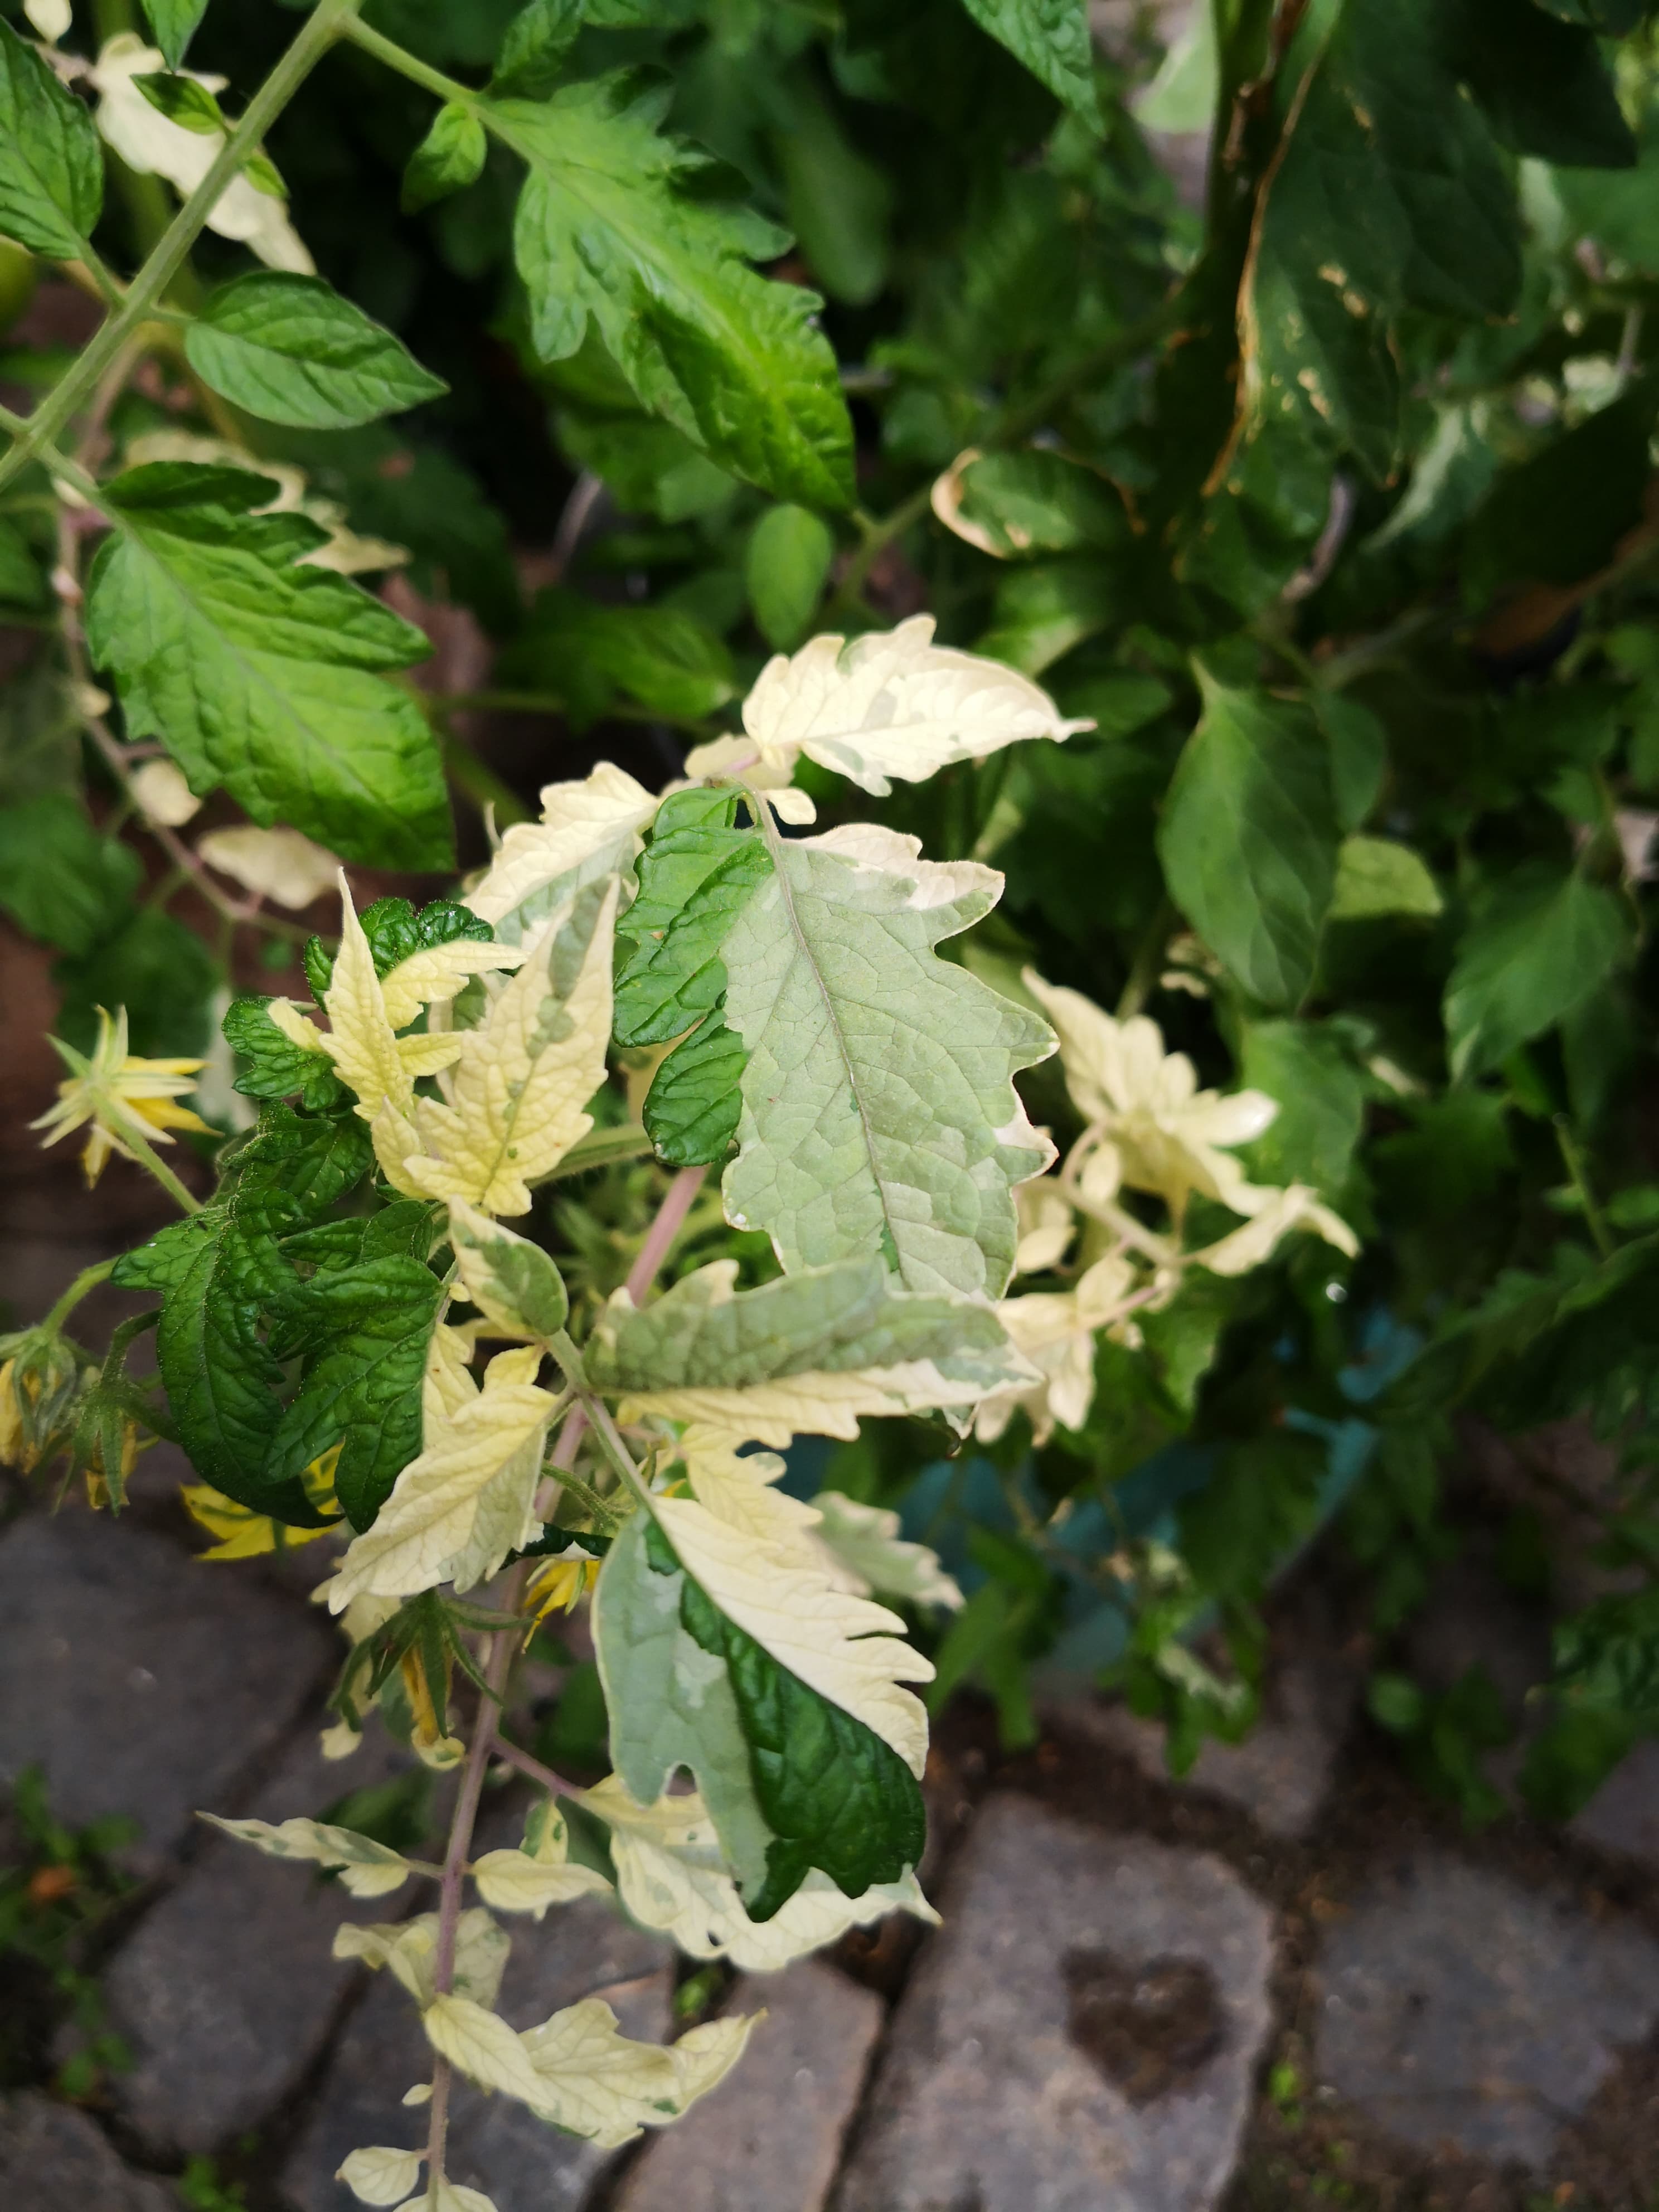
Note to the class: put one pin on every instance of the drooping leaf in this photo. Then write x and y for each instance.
(368, 1869)
(1051, 37)
(878, 1108)
(1248, 840)
(52, 166)
(1538, 949)
(261, 674)
(290, 349)
(450, 157)
(174, 21)
(603, 229)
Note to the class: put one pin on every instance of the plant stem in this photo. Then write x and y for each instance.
(327, 23)
(1573, 1159)
(147, 1156)
(555, 1784)
(1148, 959)
(418, 72)
(84, 1283)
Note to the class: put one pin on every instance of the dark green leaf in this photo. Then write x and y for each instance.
(395, 931)
(262, 675)
(173, 22)
(1248, 840)
(1541, 83)
(604, 230)
(21, 581)
(52, 166)
(59, 881)
(1037, 501)
(1307, 1068)
(290, 349)
(1360, 756)
(838, 203)
(1543, 942)
(692, 1108)
(39, 735)
(451, 156)
(278, 1068)
(584, 653)
(1051, 37)
(695, 877)
(1557, 518)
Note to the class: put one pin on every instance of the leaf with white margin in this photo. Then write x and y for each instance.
(479, 2044)
(368, 1056)
(739, 1488)
(598, 2083)
(867, 1545)
(673, 1877)
(409, 1949)
(513, 1283)
(377, 2175)
(518, 1100)
(366, 1868)
(513, 1881)
(588, 830)
(468, 1500)
(807, 1354)
(879, 1112)
(894, 703)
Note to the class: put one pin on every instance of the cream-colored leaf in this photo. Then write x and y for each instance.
(597, 2083)
(739, 1488)
(291, 1019)
(588, 830)
(437, 972)
(1250, 1246)
(513, 1881)
(894, 704)
(50, 18)
(1055, 1330)
(359, 1039)
(519, 1095)
(380, 2176)
(273, 864)
(546, 1836)
(813, 1404)
(459, 1509)
(479, 2044)
(159, 786)
(409, 1949)
(455, 2197)
(370, 1870)
(865, 1542)
(1047, 1225)
(840, 1645)
(672, 1876)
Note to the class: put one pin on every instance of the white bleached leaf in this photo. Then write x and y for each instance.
(409, 1949)
(879, 1112)
(866, 1543)
(513, 1881)
(672, 1876)
(162, 794)
(273, 864)
(376, 2175)
(1047, 1225)
(517, 1099)
(847, 1648)
(1055, 1330)
(50, 18)
(459, 1509)
(588, 830)
(368, 1057)
(597, 2083)
(738, 1489)
(894, 704)
(1295, 1207)
(437, 972)
(479, 2044)
(368, 1869)
(455, 2197)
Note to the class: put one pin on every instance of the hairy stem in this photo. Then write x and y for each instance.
(329, 21)
(84, 1283)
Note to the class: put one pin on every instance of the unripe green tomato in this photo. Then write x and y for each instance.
(18, 274)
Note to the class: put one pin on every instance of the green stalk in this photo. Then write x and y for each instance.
(83, 1285)
(147, 288)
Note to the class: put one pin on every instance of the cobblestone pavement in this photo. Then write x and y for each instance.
(1140, 1992)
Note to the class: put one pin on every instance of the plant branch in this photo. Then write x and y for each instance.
(555, 1784)
(386, 50)
(84, 1283)
(327, 23)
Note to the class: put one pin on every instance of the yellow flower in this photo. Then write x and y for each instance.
(127, 1100)
(557, 1584)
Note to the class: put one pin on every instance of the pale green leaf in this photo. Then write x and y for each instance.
(513, 1881)
(880, 1113)
(512, 1283)
(451, 156)
(51, 168)
(597, 2083)
(479, 2044)
(1541, 947)
(785, 568)
(262, 672)
(865, 1542)
(1376, 876)
(290, 349)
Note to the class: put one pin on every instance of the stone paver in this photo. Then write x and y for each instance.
(578, 1950)
(1081, 2037)
(769, 2138)
(54, 2159)
(1623, 1816)
(142, 1681)
(226, 1993)
(1458, 2009)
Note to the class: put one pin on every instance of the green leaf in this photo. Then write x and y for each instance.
(604, 231)
(1359, 754)
(1043, 612)
(450, 157)
(262, 675)
(59, 881)
(21, 581)
(364, 1332)
(1376, 876)
(785, 568)
(1248, 840)
(533, 51)
(1540, 945)
(1557, 518)
(1051, 37)
(173, 22)
(690, 1112)
(39, 735)
(278, 1068)
(52, 166)
(791, 1781)
(184, 101)
(158, 970)
(290, 349)
(1035, 502)
(695, 876)
(880, 1113)
(838, 203)
(1321, 1104)
(584, 653)
(1541, 84)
